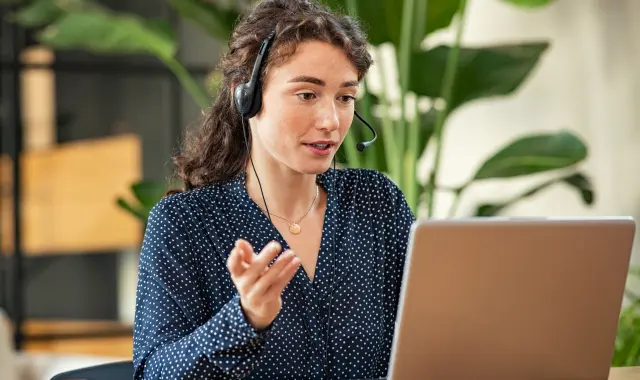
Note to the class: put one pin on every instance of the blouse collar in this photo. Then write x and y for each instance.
(250, 209)
(238, 184)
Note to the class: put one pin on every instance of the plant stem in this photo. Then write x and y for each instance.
(404, 67)
(350, 150)
(405, 48)
(411, 162)
(447, 90)
(352, 8)
(456, 202)
(352, 153)
(196, 91)
(413, 187)
(392, 155)
(419, 24)
(370, 160)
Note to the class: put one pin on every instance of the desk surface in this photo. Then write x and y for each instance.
(624, 373)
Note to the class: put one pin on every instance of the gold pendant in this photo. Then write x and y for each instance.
(294, 228)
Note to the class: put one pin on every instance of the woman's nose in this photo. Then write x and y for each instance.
(328, 116)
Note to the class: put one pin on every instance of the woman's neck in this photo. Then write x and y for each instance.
(288, 194)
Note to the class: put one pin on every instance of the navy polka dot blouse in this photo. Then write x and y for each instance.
(189, 324)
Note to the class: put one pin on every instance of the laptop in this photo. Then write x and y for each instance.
(511, 299)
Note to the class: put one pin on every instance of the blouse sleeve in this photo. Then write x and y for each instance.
(400, 217)
(174, 336)
(398, 220)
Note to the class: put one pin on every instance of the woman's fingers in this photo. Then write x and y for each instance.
(283, 278)
(253, 275)
(272, 274)
(235, 263)
(246, 251)
(240, 256)
(260, 262)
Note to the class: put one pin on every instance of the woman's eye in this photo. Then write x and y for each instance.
(306, 95)
(348, 98)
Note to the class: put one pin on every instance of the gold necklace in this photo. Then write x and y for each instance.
(294, 226)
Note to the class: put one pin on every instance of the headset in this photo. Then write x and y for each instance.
(247, 97)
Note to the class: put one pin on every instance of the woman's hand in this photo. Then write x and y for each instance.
(259, 285)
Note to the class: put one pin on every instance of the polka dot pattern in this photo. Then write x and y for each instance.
(189, 323)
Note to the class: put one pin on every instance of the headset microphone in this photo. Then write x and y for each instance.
(365, 144)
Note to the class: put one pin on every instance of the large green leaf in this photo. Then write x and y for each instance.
(148, 193)
(36, 14)
(382, 19)
(484, 72)
(529, 3)
(214, 19)
(578, 181)
(583, 185)
(107, 32)
(81, 5)
(85, 25)
(534, 154)
(39, 13)
(136, 211)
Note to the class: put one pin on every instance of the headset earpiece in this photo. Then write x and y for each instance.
(248, 96)
(243, 97)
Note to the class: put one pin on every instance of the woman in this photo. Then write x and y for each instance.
(273, 265)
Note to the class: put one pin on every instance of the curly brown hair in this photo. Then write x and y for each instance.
(216, 152)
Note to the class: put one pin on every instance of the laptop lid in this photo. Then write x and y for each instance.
(501, 299)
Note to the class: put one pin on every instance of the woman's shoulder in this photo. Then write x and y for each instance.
(360, 174)
(370, 188)
(178, 220)
(365, 180)
(179, 205)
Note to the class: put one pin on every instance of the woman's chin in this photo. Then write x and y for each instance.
(315, 167)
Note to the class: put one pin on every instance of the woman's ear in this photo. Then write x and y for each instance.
(232, 91)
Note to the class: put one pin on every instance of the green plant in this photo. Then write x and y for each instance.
(451, 77)
(146, 194)
(627, 347)
(88, 25)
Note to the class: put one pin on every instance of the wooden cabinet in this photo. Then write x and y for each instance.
(69, 197)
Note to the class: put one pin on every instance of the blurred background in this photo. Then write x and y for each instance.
(482, 107)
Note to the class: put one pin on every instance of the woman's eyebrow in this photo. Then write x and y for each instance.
(320, 82)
